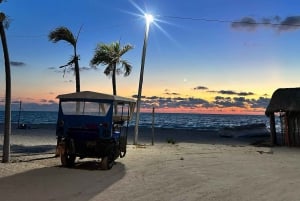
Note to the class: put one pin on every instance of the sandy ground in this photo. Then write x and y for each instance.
(199, 166)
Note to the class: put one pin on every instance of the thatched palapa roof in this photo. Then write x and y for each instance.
(284, 100)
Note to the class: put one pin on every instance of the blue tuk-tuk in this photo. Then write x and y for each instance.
(92, 125)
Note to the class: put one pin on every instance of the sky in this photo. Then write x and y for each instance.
(208, 56)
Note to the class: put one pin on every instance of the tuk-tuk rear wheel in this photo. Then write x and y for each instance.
(123, 145)
(67, 159)
(106, 163)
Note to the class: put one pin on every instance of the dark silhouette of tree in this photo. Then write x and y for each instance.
(63, 33)
(110, 55)
(7, 118)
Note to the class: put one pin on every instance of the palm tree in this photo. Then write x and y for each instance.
(7, 118)
(110, 56)
(63, 33)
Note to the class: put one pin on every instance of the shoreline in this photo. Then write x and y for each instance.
(46, 134)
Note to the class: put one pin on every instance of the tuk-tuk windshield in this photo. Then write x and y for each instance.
(85, 108)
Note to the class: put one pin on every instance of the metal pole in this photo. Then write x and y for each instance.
(138, 104)
(153, 111)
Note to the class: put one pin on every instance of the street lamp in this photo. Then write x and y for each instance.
(149, 19)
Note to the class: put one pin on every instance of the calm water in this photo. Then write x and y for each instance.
(177, 121)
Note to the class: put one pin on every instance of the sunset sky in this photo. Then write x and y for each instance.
(199, 59)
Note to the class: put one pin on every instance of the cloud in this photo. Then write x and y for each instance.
(175, 103)
(84, 68)
(135, 96)
(67, 69)
(289, 23)
(245, 93)
(69, 81)
(220, 102)
(227, 99)
(17, 63)
(31, 106)
(172, 94)
(200, 88)
(241, 102)
(52, 101)
(230, 92)
(194, 103)
(247, 23)
(261, 102)
(56, 69)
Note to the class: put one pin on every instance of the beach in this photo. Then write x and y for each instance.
(182, 165)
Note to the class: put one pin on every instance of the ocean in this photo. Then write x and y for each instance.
(202, 122)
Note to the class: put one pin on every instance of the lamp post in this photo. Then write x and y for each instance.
(149, 19)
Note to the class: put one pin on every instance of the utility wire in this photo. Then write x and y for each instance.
(249, 22)
(228, 21)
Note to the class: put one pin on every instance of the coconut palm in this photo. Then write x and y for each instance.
(7, 117)
(64, 34)
(110, 55)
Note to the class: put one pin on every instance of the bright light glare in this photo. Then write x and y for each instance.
(149, 18)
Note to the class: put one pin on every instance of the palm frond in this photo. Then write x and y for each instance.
(110, 56)
(5, 20)
(127, 67)
(62, 33)
(108, 71)
(69, 64)
(125, 49)
(101, 56)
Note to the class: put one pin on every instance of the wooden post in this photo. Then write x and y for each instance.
(20, 108)
(153, 126)
(273, 129)
(287, 134)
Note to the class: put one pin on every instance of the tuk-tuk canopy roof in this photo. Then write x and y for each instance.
(90, 95)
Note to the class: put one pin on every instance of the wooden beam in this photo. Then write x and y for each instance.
(273, 129)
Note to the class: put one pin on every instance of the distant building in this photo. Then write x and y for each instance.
(285, 104)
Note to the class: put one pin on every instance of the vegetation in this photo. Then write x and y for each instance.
(63, 33)
(171, 141)
(7, 119)
(110, 55)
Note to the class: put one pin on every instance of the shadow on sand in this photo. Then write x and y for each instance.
(57, 183)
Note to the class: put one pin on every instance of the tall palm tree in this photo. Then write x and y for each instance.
(110, 56)
(7, 118)
(63, 33)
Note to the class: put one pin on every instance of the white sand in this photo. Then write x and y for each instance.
(215, 169)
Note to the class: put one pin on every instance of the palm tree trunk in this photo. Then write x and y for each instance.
(77, 78)
(114, 80)
(114, 87)
(77, 74)
(7, 118)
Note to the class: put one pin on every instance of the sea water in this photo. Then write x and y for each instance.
(203, 122)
